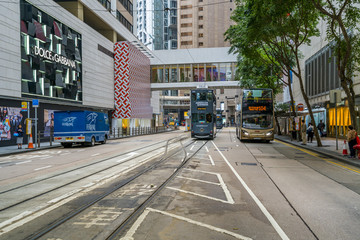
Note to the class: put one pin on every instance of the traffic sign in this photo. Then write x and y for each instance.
(24, 105)
(35, 103)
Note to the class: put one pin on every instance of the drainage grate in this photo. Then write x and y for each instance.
(249, 164)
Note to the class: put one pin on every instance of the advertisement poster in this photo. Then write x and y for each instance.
(10, 119)
(48, 122)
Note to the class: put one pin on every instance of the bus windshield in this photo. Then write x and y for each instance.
(257, 95)
(201, 118)
(257, 121)
(201, 96)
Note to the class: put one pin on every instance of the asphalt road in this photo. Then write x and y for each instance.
(227, 190)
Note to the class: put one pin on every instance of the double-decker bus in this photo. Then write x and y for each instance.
(219, 123)
(203, 112)
(256, 116)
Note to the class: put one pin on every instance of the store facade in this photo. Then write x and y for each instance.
(53, 56)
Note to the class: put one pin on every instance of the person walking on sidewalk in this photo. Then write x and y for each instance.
(303, 132)
(19, 139)
(310, 132)
(351, 138)
(321, 127)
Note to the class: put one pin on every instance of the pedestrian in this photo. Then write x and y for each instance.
(19, 138)
(303, 132)
(321, 127)
(351, 138)
(310, 132)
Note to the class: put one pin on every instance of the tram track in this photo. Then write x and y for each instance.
(118, 187)
(83, 168)
(163, 145)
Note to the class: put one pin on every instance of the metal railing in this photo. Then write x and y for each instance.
(137, 131)
(114, 133)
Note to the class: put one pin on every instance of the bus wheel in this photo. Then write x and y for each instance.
(267, 141)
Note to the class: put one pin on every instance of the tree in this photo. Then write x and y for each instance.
(342, 19)
(280, 28)
(280, 110)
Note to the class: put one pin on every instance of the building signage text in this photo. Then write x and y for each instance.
(53, 56)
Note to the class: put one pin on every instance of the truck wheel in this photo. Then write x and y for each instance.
(92, 141)
(66, 145)
(103, 142)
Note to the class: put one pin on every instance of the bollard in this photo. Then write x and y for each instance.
(51, 136)
(38, 139)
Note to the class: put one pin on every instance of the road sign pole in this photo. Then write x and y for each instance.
(36, 115)
(28, 116)
(336, 133)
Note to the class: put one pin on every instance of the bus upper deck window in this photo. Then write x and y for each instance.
(208, 118)
(193, 96)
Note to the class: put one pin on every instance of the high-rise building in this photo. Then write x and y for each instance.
(202, 23)
(156, 23)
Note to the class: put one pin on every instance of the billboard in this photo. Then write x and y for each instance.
(10, 119)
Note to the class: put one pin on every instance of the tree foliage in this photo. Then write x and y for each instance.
(342, 18)
(277, 28)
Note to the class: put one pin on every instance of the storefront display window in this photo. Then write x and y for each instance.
(51, 63)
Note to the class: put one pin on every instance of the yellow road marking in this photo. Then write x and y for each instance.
(316, 155)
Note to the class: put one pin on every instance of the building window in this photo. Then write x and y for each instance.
(201, 17)
(127, 5)
(186, 25)
(186, 16)
(201, 9)
(321, 74)
(186, 43)
(124, 21)
(201, 26)
(201, 35)
(201, 44)
(41, 75)
(186, 7)
(184, 34)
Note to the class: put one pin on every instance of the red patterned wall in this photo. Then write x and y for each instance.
(132, 82)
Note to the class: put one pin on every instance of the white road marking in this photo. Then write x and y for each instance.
(28, 216)
(55, 200)
(135, 226)
(222, 184)
(192, 147)
(23, 162)
(37, 169)
(46, 157)
(199, 195)
(129, 155)
(96, 154)
(212, 161)
(198, 180)
(212, 228)
(206, 148)
(257, 201)
(88, 185)
(63, 154)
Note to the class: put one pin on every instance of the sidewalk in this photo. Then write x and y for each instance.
(328, 149)
(13, 149)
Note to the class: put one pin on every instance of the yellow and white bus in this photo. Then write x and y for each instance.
(255, 120)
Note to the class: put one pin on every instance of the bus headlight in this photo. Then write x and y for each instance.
(269, 133)
(245, 133)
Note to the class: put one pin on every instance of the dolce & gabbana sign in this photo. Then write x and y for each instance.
(54, 57)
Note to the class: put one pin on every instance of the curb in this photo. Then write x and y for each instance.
(27, 150)
(15, 152)
(340, 158)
